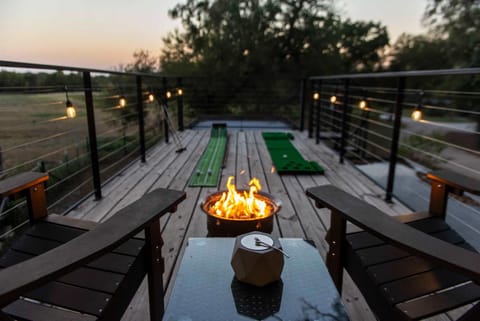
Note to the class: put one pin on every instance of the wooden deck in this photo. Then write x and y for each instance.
(247, 154)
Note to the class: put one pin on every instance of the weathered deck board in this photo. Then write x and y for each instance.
(246, 151)
(122, 185)
(287, 219)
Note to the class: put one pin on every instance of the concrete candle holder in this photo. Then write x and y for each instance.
(257, 264)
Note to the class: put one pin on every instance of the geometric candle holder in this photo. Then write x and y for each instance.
(256, 264)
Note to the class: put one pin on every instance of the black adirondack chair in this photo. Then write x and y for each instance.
(68, 269)
(408, 267)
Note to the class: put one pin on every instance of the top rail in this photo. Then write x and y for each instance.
(29, 65)
(413, 73)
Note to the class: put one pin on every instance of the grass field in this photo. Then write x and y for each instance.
(34, 125)
(36, 135)
(33, 128)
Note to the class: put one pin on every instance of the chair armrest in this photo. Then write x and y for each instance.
(126, 223)
(30, 184)
(457, 182)
(391, 231)
(20, 182)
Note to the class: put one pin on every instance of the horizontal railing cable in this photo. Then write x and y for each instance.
(469, 150)
(36, 159)
(357, 155)
(63, 197)
(444, 125)
(443, 159)
(456, 110)
(106, 156)
(12, 209)
(127, 156)
(41, 140)
(66, 178)
(13, 229)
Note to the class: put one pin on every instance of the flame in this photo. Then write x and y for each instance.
(243, 205)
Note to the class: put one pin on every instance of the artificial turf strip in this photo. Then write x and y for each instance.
(285, 157)
(209, 167)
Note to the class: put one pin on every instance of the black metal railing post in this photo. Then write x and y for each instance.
(180, 93)
(1, 162)
(397, 122)
(318, 109)
(345, 120)
(303, 89)
(141, 121)
(92, 135)
(165, 111)
(310, 109)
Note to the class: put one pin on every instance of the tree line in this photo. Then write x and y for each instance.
(310, 37)
(231, 38)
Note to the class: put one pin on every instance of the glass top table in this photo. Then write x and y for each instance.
(206, 289)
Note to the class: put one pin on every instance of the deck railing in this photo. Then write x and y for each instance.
(81, 154)
(367, 117)
(119, 116)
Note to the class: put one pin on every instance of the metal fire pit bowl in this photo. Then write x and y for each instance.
(223, 227)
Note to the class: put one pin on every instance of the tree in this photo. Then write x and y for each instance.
(143, 62)
(458, 22)
(245, 37)
(363, 44)
(419, 53)
(453, 39)
(265, 46)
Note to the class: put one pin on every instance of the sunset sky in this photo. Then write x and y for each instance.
(104, 33)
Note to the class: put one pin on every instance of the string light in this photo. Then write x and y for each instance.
(362, 104)
(70, 109)
(417, 113)
(151, 98)
(180, 91)
(168, 94)
(316, 96)
(122, 101)
(333, 99)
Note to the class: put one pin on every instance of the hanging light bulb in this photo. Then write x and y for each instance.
(417, 113)
(151, 98)
(362, 104)
(70, 110)
(122, 101)
(180, 91)
(316, 96)
(333, 99)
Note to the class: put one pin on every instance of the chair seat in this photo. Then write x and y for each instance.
(417, 288)
(86, 292)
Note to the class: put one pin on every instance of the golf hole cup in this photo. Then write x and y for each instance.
(257, 264)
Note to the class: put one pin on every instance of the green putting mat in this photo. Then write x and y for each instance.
(285, 157)
(209, 167)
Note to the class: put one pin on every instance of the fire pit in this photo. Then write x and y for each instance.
(232, 212)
